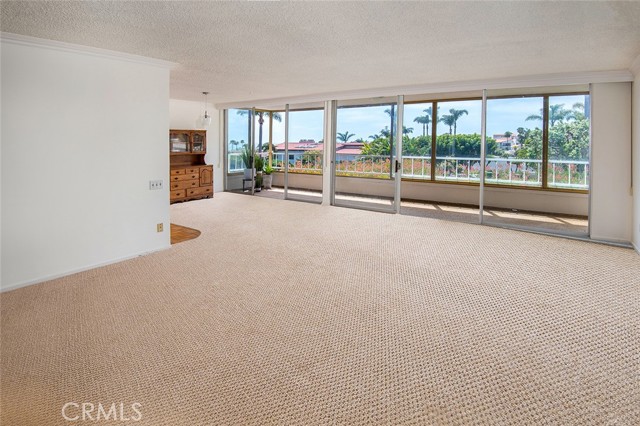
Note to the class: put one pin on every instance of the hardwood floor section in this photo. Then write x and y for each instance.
(181, 234)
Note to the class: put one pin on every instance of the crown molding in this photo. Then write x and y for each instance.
(546, 80)
(84, 50)
(635, 66)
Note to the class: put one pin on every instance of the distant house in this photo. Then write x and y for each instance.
(344, 151)
(507, 143)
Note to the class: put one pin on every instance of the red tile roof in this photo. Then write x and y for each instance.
(351, 148)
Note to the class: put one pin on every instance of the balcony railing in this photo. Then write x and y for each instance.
(569, 174)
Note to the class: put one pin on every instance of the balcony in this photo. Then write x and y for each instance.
(515, 172)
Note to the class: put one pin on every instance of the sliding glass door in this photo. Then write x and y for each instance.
(441, 159)
(367, 154)
(537, 165)
(302, 156)
(239, 146)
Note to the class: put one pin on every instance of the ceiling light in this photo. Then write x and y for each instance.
(204, 121)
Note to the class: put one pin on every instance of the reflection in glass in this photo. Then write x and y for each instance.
(458, 141)
(364, 141)
(568, 155)
(179, 142)
(514, 141)
(416, 143)
(237, 138)
(198, 142)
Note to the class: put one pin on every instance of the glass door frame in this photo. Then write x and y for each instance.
(227, 176)
(544, 177)
(292, 196)
(395, 163)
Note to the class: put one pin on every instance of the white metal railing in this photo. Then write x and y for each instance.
(310, 162)
(571, 174)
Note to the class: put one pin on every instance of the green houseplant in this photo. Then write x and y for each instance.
(259, 163)
(267, 178)
(247, 158)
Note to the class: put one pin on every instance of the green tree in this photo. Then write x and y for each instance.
(468, 145)
(261, 116)
(379, 146)
(451, 120)
(457, 113)
(419, 146)
(578, 112)
(569, 140)
(425, 120)
(557, 113)
(344, 137)
(448, 120)
(530, 143)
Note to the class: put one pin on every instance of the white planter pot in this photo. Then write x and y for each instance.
(266, 181)
(248, 174)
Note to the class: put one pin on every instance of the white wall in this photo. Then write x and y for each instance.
(611, 198)
(183, 115)
(82, 135)
(636, 155)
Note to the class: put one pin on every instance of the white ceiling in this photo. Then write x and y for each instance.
(259, 50)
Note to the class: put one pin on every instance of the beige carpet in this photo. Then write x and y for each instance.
(292, 313)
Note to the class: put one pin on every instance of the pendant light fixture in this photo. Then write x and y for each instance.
(204, 121)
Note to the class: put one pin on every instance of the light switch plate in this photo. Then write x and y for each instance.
(156, 184)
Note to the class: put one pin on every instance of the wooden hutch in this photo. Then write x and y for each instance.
(190, 178)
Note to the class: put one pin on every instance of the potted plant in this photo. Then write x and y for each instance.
(267, 178)
(247, 157)
(259, 163)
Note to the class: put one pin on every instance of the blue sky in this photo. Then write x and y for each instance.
(502, 115)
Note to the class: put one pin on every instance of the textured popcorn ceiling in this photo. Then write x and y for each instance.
(259, 50)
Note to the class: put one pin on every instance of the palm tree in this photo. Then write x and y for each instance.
(428, 113)
(451, 120)
(344, 137)
(261, 115)
(448, 120)
(425, 120)
(556, 113)
(235, 144)
(457, 113)
(508, 135)
(407, 130)
(391, 113)
(374, 137)
(578, 111)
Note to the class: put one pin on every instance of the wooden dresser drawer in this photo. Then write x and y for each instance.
(178, 172)
(189, 176)
(203, 190)
(181, 193)
(192, 170)
(183, 184)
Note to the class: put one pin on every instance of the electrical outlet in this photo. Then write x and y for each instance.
(159, 227)
(156, 184)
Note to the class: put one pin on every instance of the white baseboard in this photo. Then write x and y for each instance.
(635, 246)
(75, 271)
